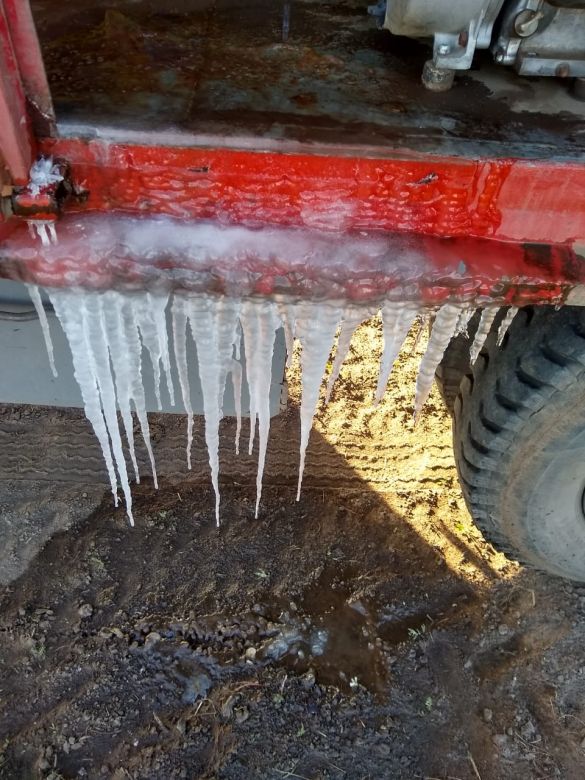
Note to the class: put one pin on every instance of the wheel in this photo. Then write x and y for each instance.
(519, 440)
(455, 363)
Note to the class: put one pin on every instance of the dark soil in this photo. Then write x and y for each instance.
(367, 631)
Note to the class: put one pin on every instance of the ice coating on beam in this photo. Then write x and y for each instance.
(35, 297)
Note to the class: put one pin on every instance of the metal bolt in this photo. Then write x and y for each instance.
(526, 23)
(443, 48)
(500, 56)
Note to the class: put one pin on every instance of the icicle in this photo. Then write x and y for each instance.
(236, 374)
(315, 328)
(287, 317)
(352, 319)
(485, 325)
(424, 320)
(505, 324)
(122, 363)
(121, 327)
(397, 319)
(260, 321)
(79, 315)
(96, 337)
(179, 318)
(150, 312)
(444, 327)
(35, 297)
(213, 325)
(463, 321)
(44, 229)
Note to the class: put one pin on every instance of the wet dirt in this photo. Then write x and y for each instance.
(304, 71)
(367, 631)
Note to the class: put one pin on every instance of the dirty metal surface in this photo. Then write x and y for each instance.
(116, 252)
(303, 70)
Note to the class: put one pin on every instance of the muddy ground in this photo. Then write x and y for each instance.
(367, 631)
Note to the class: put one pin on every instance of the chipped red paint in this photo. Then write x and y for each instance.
(509, 200)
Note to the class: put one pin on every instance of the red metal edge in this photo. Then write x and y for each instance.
(16, 139)
(31, 68)
(510, 200)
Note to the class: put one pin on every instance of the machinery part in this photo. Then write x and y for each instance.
(542, 38)
(458, 29)
(519, 440)
(536, 37)
(437, 79)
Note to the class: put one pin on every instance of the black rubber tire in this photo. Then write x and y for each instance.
(519, 440)
(455, 364)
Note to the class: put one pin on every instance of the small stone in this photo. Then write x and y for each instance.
(85, 611)
(503, 629)
(488, 715)
(242, 714)
(251, 654)
(152, 638)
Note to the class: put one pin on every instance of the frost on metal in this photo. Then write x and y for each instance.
(43, 173)
(107, 332)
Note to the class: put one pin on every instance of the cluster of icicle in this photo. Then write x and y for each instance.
(107, 332)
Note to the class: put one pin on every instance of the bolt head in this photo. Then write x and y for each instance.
(443, 49)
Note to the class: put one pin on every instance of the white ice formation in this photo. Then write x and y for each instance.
(108, 332)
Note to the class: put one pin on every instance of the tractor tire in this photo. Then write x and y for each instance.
(519, 440)
(455, 363)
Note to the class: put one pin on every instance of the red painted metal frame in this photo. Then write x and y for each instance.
(510, 200)
(16, 141)
(517, 226)
(25, 99)
(30, 63)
